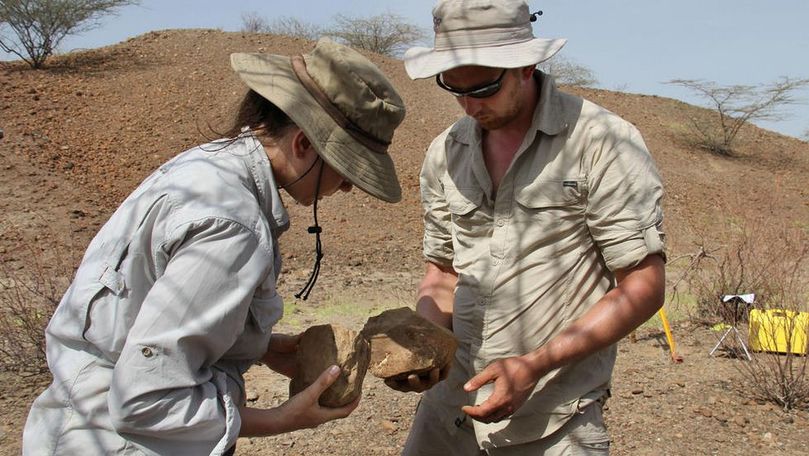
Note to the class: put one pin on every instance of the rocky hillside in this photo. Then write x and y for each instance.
(101, 120)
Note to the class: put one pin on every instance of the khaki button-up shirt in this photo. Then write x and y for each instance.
(581, 199)
(175, 298)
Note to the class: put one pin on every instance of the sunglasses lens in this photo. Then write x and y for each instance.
(485, 92)
(480, 92)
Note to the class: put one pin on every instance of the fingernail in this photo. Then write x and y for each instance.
(334, 370)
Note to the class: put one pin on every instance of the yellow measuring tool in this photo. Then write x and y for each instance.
(669, 338)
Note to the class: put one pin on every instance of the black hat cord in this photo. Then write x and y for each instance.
(279, 187)
(316, 230)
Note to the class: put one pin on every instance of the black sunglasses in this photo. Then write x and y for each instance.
(482, 91)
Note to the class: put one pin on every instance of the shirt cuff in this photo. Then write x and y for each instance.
(630, 252)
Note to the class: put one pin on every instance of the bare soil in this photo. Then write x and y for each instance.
(80, 135)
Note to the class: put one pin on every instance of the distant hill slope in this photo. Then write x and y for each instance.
(104, 119)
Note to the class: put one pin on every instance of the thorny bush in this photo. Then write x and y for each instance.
(771, 261)
(29, 293)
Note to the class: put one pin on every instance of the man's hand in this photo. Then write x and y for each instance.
(514, 380)
(418, 383)
(281, 353)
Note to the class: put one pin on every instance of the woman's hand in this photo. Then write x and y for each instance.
(281, 353)
(306, 410)
(299, 412)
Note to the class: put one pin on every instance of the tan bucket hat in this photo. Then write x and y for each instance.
(342, 102)
(491, 33)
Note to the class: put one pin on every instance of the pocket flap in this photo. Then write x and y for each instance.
(463, 201)
(546, 194)
(112, 279)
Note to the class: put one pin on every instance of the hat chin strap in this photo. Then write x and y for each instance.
(290, 184)
(316, 230)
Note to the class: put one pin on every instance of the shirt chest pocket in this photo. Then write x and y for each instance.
(101, 292)
(468, 218)
(553, 206)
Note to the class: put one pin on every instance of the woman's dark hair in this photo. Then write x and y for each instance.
(260, 114)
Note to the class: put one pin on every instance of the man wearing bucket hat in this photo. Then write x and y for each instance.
(543, 240)
(176, 295)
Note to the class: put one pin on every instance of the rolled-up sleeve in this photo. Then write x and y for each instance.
(166, 396)
(437, 221)
(624, 206)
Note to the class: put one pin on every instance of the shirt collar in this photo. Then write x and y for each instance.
(549, 114)
(268, 197)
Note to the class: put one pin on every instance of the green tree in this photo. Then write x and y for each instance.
(38, 26)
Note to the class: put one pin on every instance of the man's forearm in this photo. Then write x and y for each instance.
(436, 294)
(639, 294)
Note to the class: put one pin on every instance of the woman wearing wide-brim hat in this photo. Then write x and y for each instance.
(176, 295)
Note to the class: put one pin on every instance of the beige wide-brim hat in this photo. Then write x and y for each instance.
(491, 33)
(343, 103)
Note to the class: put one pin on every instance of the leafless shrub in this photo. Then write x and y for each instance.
(28, 298)
(568, 72)
(252, 22)
(680, 285)
(771, 260)
(38, 26)
(735, 106)
(296, 28)
(387, 34)
(779, 372)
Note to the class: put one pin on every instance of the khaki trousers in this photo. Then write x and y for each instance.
(584, 435)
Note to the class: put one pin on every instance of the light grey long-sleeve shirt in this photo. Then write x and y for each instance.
(175, 298)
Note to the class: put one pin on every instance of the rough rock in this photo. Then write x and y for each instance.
(323, 346)
(403, 342)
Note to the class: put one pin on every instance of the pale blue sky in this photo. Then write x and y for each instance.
(631, 45)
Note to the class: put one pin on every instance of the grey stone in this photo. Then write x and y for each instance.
(323, 346)
(403, 342)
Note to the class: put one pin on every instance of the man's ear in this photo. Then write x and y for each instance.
(301, 146)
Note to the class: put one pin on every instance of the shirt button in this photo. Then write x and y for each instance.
(147, 352)
(501, 222)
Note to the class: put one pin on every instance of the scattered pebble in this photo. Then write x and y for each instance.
(389, 426)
